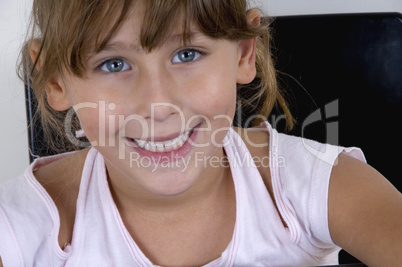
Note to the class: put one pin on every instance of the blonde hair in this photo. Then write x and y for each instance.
(69, 30)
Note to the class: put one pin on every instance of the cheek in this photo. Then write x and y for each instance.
(97, 120)
(223, 89)
(218, 104)
(93, 109)
(89, 119)
(217, 95)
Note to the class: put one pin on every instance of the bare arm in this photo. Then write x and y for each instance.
(365, 213)
(1, 263)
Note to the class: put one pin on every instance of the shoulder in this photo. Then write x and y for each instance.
(257, 142)
(61, 178)
(44, 173)
(26, 203)
(65, 171)
(365, 213)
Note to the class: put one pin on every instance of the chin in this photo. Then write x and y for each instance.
(166, 186)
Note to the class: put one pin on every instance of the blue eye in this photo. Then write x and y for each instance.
(115, 65)
(186, 55)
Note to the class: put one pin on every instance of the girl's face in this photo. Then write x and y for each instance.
(159, 118)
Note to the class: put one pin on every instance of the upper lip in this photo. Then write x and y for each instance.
(166, 137)
(162, 138)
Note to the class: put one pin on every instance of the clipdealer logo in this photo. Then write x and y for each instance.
(110, 123)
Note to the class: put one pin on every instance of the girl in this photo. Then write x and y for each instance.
(167, 180)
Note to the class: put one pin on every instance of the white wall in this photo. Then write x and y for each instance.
(13, 19)
(13, 135)
(301, 7)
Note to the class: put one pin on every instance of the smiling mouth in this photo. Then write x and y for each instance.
(165, 146)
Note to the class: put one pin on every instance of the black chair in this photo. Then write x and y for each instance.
(343, 79)
(345, 70)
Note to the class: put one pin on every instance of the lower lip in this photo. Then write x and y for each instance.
(171, 156)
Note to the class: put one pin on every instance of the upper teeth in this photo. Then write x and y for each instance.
(165, 146)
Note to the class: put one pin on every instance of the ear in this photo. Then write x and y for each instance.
(55, 90)
(246, 70)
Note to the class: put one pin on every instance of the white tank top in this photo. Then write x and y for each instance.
(300, 172)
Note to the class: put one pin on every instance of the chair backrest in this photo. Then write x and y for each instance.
(350, 67)
(343, 78)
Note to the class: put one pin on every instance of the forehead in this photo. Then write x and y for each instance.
(150, 25)
(155, 21)
(123, 41)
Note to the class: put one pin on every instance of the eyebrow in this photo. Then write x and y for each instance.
(119, 45)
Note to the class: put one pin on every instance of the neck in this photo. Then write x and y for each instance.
(211, 186)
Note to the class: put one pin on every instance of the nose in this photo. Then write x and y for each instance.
(158, 94)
